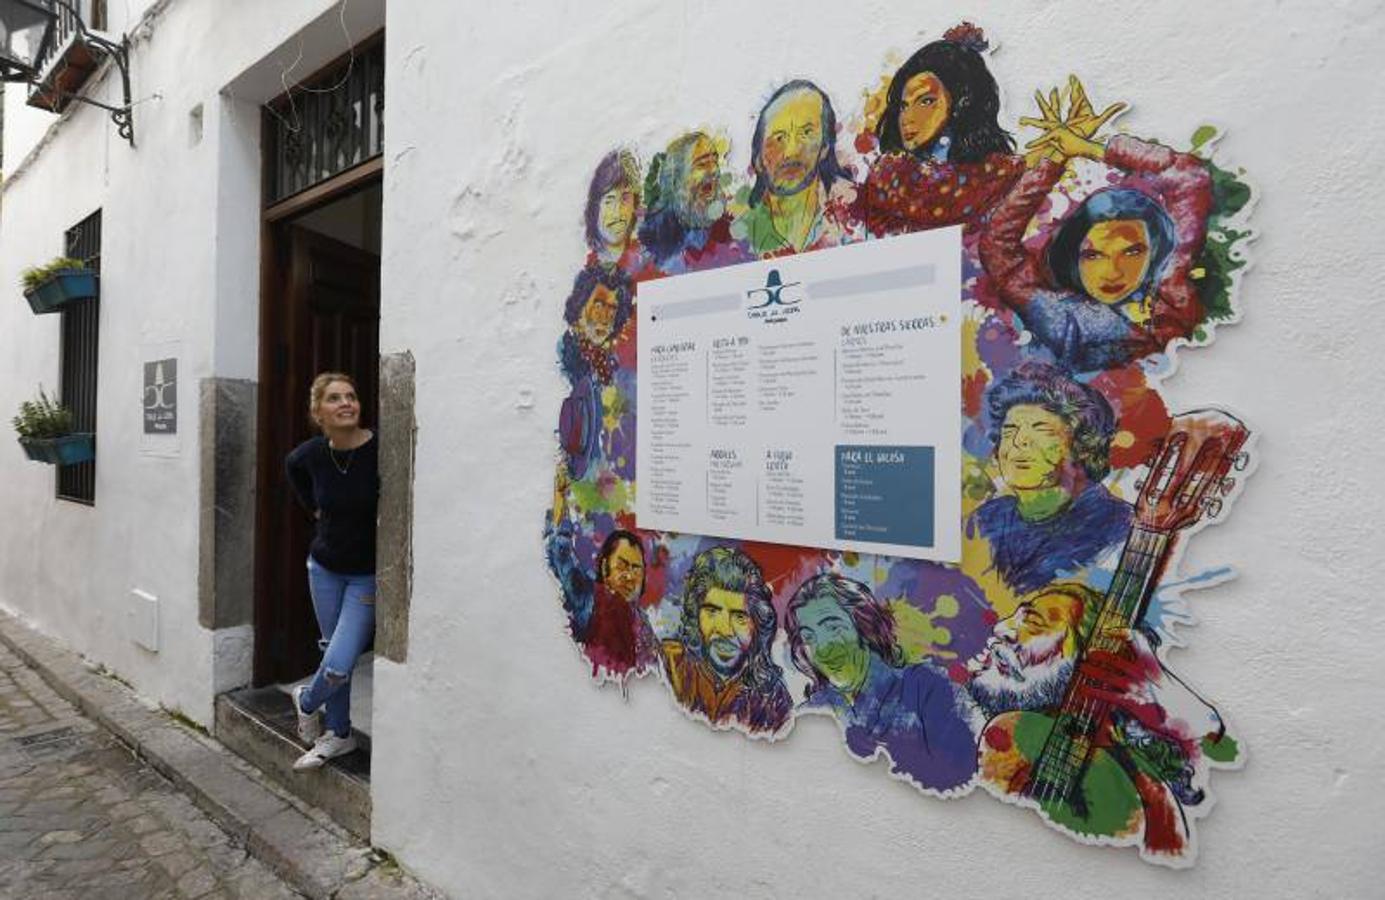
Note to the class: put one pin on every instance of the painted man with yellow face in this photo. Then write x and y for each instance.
(720, 666)
(1115, 283)
(1052, 438)
(796, 172)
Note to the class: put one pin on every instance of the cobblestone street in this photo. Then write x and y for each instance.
(82, 817)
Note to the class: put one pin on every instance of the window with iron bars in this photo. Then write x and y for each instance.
(80, 341)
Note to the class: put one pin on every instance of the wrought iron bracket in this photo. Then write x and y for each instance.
(119, 53)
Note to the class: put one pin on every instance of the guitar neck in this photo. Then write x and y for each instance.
(1081, 718)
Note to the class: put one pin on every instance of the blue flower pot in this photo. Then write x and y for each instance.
(61, 288)
(67, 450)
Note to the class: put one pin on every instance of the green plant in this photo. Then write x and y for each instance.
(37, 275)
(42, 418)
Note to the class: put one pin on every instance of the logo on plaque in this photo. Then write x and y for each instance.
(161, 397)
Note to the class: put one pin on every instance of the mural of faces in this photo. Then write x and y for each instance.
(1092, 256)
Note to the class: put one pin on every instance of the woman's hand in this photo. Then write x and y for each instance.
(1067, 136)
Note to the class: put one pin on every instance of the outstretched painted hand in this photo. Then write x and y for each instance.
(1067, 136)
(561, 482)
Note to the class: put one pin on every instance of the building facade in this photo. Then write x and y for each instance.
(302, 170)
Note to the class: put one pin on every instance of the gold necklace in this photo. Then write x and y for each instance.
(343, 469)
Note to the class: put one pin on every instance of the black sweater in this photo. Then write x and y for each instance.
(345, 539)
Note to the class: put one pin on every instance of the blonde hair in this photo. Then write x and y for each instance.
(318, 391)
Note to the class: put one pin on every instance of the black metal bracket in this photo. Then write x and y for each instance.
(122, 116)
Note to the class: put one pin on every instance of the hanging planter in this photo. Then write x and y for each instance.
(49, 288)
(67, 450)
(45, 432)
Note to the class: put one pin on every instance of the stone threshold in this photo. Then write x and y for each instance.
(299, 843)
(260, 725)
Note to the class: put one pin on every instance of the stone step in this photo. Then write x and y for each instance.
(259, 725)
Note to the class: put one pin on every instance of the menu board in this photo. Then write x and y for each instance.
(811, 400)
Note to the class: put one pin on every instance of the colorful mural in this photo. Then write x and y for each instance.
(1038, 667)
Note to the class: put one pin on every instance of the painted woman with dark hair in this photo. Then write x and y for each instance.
(944, 158)
(1115, 282)
(597, 309)
(844, 641)
(612, 212)
(1052, 439)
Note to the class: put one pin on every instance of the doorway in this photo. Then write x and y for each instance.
(320, 311)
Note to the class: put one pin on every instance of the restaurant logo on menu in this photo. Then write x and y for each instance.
(778, 303)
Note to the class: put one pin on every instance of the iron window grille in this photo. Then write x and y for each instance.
(80, 341)
(331, 123)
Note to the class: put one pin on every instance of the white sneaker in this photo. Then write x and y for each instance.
(327, 747)
(309, 724)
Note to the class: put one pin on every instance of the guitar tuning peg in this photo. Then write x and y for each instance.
(1227, 486)
(1241, 461)
(1212, 507)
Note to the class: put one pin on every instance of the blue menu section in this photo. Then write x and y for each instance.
(885, 495)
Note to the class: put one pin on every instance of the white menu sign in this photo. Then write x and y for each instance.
(811, 399)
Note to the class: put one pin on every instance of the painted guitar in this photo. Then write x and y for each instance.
(1064, 763)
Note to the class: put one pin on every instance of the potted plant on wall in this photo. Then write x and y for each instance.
(50, 287)
(45, 432)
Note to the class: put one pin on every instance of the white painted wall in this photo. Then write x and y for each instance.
(500, 772)
(180, 264)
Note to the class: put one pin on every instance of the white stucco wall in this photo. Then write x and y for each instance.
(180, 269)
(500, 772)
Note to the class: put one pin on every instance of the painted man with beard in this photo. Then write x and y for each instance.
(799, 198)
(720, 664)
(686, 226)
(1161, 733)
(844, 641)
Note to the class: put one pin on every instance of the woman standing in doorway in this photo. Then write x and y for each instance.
(336, 477)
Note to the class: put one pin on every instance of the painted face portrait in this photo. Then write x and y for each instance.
(834, 647)
(1035, 447)
(597, 322)
(623, 571)
(616, 216)
(794, 144)
(925, 110)
(1114, 259)
(727, 630)
(703, 201)
(1029, 657)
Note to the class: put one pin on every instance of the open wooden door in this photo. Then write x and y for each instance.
(320, 312)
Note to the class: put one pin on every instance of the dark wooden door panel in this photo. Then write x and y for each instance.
(321, 313)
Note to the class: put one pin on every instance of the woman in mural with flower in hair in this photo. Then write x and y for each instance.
(612, 212)
(944, 158)
(1115, 281)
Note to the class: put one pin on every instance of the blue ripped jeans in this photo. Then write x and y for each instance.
(345, 608)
